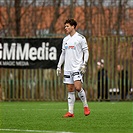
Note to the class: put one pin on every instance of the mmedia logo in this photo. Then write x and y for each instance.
(18, 51)
(30, 53)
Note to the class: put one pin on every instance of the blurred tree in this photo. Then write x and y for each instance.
(18, 16)
(56, 4)
(95, 17)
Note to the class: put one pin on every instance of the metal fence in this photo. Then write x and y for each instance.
(109, 75)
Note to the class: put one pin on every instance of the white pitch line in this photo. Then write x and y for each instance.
(42, 109)
(35, 131)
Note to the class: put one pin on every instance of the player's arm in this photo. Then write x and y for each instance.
(85, 50)
(61, 61)
(62, 58)
(86, 55)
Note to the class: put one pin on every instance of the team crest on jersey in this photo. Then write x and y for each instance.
(75, 43)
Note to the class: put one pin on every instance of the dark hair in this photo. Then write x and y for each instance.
(72, 22)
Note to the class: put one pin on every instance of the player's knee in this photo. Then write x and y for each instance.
(78, 89)
(71, 88)
(78, 85)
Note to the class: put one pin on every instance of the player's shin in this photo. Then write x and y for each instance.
(71, 101)
(82, 96)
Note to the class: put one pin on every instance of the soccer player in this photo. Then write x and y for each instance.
(74, 48)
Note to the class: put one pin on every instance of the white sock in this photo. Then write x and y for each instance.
(82, 96)
(71, 101)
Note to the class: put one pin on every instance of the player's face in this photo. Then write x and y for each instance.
(68, 28)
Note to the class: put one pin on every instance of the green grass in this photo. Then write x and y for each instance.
(34, 117)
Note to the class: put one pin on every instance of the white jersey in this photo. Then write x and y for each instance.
(74, 47)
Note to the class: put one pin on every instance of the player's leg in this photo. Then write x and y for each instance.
(82, 96)
(81, 93)
(71, 100)
(71, 94)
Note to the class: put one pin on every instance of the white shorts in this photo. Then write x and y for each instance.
(70, 77)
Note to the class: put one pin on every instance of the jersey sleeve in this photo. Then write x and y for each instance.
(63, 45)
(62, 56)
(85, 50)
(84, 44)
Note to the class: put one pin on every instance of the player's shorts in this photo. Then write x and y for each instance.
(70, 77)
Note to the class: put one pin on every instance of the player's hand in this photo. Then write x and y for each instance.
(58, 71)
(83, 69)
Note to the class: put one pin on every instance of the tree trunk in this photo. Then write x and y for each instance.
(17, 16)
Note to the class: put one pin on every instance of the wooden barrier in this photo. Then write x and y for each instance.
(109, 75)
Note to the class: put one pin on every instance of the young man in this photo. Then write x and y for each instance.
(74, 47)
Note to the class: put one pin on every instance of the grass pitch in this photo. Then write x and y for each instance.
(46, 117)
